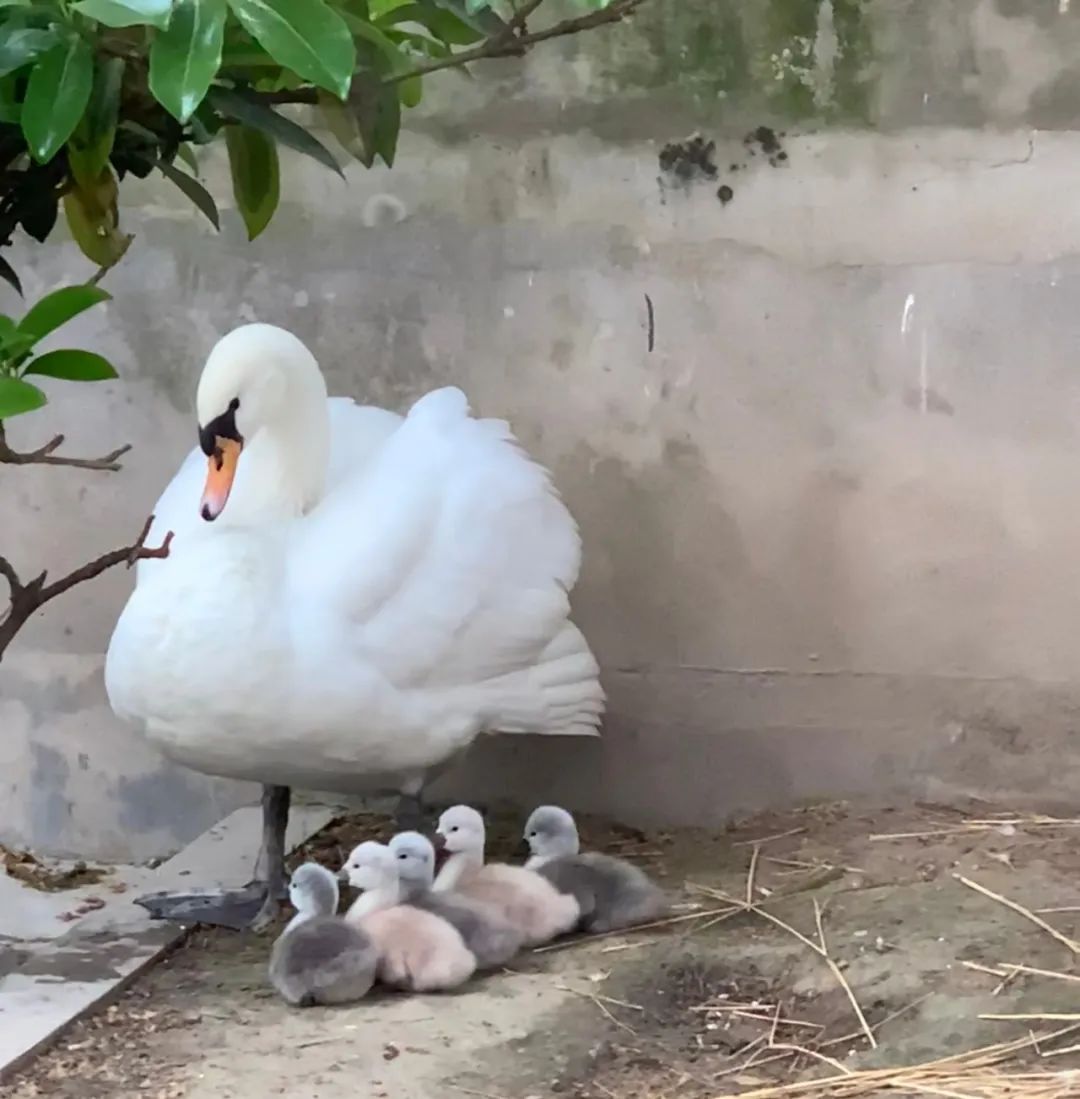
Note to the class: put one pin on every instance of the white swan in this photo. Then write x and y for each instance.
(351, 597)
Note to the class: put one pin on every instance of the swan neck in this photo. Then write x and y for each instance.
(454, 869)
(374, 900)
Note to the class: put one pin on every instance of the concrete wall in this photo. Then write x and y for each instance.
(831, 544)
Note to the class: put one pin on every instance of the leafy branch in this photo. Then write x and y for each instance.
(29, 596)
(515, 41)
(92, 91)
(19, 359)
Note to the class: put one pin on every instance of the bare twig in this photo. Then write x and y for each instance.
(46, 456)
(750, 874)
(1070, 944)
(1032, 971)
(599, 1002)
(29, 596)
(769, 839)
(820, 950)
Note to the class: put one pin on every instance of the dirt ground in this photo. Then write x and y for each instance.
(721, 1002)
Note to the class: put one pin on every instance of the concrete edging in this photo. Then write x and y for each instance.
(108, 948)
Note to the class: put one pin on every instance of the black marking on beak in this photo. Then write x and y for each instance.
(220, 427)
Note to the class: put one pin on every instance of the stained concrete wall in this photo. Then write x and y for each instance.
(831, 545)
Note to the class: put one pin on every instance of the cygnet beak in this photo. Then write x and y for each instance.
(524, 850)
(343, 876)
(438, 841)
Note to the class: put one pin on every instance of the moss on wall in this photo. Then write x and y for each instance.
(802, 61)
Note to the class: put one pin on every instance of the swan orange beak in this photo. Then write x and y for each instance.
(220, 471)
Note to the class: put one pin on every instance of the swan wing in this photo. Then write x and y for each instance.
(445, 563)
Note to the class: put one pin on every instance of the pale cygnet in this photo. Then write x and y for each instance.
(319, 958)
(491, 938)
(526, 900)
(611, 893)
(418, 951)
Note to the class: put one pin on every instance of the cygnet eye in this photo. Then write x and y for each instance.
(454, 829)
(403, 855)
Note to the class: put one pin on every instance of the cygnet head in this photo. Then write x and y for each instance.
(313, 890)
(371, 865)
(551, 832)
(414, 857)
(260, 377)
(461, 828)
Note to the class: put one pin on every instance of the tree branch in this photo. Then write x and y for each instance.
(45, 456)
(513, 41)
(29, 596)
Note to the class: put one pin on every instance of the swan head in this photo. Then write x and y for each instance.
(461, 828)
(260, 379)
(415, 858)
(551, 832)
(369, 866)
(313, 890)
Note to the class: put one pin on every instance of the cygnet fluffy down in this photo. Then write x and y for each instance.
(319, 958)
(491, 938)
(610, 892)
(526, 900)
(418, 951)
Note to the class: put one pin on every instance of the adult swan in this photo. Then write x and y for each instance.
(351, 598)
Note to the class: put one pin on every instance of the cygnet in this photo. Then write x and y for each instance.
(418, 951)
(610, 892)
(319, 958)
(491, 938)
(526, 900)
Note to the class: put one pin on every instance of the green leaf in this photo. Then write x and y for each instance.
(58, 308)
(378, 8)
(185, 58)
(7, 273)
(17, 397)
(473, 6)
(94, 220)
(485, 20)
(38, 214)
(303, 35)
(253, 161)
(411, 91)
(92, 142)
(445, 25)
(21, 45)
(73, 365)
(370, 33)
(258, 116)
(194, 191)
(387, 124)
(126, 13)
(341, 120)
(10, 107)
(369, 125)
(187, 155)
(56, 96)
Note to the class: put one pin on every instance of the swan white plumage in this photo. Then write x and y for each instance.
(373, 593)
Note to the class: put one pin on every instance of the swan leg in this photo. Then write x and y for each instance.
(409, 816)
(275, 801)
(256, 904)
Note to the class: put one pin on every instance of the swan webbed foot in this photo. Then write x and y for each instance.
(236, 909)
(254, 907)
